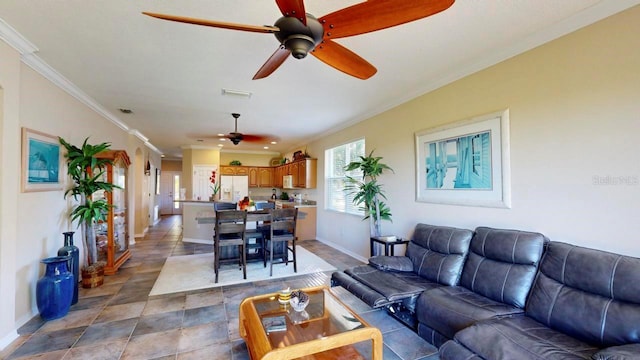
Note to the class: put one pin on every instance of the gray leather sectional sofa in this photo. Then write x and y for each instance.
(506, 294)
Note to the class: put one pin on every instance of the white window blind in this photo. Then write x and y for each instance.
(337, 198)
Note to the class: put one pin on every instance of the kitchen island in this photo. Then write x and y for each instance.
(192, 231)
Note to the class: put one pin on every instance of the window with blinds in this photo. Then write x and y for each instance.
(337, 198)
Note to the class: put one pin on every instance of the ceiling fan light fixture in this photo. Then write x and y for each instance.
(299, 45)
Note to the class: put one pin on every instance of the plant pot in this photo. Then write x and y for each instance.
(54, 289)
(92, 277)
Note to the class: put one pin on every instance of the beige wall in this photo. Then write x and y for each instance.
(9, 190)
(574, 114)
(171, 165)
(32, 223)
(247, 159)
(195, 156)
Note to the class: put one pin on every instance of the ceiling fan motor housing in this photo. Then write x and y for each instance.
(297, 37)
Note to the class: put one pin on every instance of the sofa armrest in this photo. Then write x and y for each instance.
(622, 352)
(392, 263)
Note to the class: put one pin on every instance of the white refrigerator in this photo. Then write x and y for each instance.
(233, 188)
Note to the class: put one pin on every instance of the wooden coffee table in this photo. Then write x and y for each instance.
(326, 329)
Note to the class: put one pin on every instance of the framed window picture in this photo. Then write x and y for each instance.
(465, 163)
(41, 161)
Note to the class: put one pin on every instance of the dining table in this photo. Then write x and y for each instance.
(255, 219)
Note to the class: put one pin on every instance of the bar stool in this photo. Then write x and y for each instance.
(282, 230)
(230, 231)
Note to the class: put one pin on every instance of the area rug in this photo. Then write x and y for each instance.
(194, 272)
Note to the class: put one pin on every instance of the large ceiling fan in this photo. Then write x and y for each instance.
(300, 33)
(236, 137)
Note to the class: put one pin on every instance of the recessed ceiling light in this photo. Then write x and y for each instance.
(274, 142)
(266, 147)
(220, 134)
(126, 111)
(223, 139)
(221, 145)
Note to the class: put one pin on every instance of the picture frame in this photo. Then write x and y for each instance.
(465, 163)
(41, 161)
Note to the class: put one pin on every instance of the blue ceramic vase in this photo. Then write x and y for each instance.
(55, 288)
(74, 262)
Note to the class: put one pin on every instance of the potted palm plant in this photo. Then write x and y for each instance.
(367, 192)
(87, 174)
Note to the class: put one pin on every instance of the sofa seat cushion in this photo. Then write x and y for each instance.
(449, 309)
(364, 293)
(622, 352)
(386, 283)
(520, 337)
(392, 263)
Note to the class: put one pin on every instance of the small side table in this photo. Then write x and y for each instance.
(388, 245)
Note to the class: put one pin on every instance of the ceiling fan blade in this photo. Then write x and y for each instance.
(343, 59)
(212, 23)
(375, 15)
(293, 8)
(254, 138)
(273, 63)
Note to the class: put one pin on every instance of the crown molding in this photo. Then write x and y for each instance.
(27, 52)
(15, 39)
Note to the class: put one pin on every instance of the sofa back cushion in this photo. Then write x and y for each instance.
(438, 252)
(502, 264)
(589, 294)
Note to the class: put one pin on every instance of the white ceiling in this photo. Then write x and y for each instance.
(172, 75)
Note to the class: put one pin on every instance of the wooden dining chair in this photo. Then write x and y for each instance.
(282, 231)
(219, 205)
(230, 231)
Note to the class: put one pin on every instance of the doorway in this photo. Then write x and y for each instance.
(170, 182)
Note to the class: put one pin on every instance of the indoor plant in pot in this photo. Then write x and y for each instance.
(86, 172)
(367, 192)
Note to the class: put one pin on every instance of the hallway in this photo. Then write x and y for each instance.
(120, 321)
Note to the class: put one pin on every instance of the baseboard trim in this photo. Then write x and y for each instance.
(8, 339)
(346, 251)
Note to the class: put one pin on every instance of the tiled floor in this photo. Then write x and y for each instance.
(120, 321)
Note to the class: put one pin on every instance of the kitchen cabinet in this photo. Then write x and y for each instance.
(234, 170)
(112, 235)
(260, 176)
(253, 177)
(278, 172)
(293, 171)
(303, 173)
(265, 176)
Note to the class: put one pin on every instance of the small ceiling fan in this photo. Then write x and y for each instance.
(300, 33)
(236, 137)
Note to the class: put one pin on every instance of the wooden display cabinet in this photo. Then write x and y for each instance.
(112, 236)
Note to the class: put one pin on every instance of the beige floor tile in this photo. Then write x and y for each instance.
(208, 298)
(102, 351)
(121, 312)
(150, 346)
(166, 304)
(73, 319)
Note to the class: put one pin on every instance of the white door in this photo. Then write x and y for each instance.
(202, 186)
(170, 190)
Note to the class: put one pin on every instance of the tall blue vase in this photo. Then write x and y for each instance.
(74, 263)
(55, 288)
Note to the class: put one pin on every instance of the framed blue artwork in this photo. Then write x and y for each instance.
(465, 163)
(41, 161)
